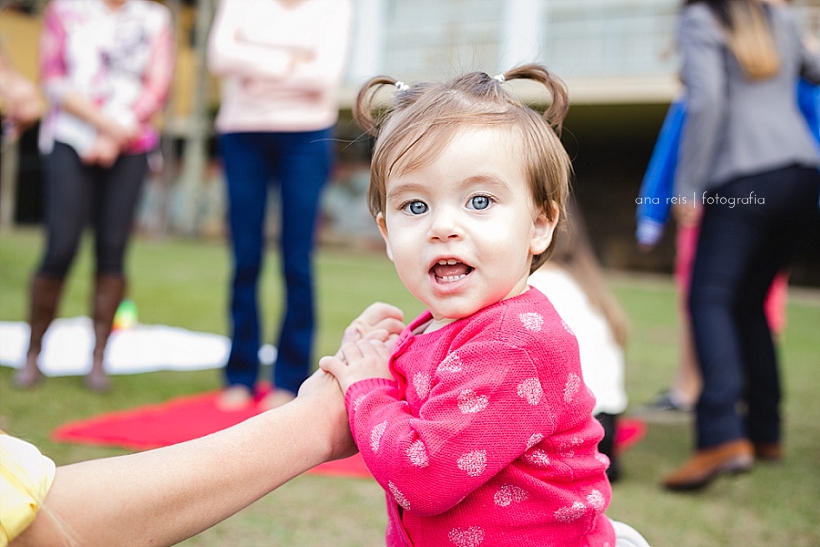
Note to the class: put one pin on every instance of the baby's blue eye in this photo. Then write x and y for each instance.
(416, 207)
(479, 202)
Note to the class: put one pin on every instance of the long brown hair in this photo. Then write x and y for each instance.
(748, 35)
(574, 253)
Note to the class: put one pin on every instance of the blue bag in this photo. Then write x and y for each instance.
(656, 188)
(808, 99)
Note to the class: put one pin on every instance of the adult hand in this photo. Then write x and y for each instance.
(104, 152)
(122, 129)
(362, 360)
(323, 390)
(687, 215)
(121, 134)
(23, 104)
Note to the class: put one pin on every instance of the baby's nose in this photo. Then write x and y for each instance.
(445, 226)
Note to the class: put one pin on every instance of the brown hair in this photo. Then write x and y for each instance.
(748, 35)
(574, 254)
(425, 116)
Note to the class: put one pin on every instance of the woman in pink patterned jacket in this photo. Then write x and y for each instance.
(106, 68)
(475, 420)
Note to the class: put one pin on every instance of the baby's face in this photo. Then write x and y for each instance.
(463, 229)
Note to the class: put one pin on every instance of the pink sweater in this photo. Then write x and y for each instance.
(281, 66)
(486, 436)
(122, 60)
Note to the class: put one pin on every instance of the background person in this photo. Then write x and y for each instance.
(652, 213)
(106, 68)
(686, 384)
(281, 64)
(744, 133)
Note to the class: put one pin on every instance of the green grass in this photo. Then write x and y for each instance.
(184, 283)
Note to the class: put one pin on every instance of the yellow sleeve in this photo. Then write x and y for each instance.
(25, 479)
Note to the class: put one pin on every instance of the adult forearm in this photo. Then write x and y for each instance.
(79, 106)
(163, 496)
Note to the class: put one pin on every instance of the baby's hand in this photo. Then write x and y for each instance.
(364, 359)
(378, 321)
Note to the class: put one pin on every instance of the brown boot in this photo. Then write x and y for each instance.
(45, 297)
(707, 464)
(108, 292)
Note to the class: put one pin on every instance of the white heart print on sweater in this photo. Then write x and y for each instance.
(473, 463)
(470, 402)
(471, 537)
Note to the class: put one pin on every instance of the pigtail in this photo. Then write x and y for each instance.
(366, 104)
(557, 111)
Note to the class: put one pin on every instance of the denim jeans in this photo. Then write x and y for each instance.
(741, 248)
(298, 164)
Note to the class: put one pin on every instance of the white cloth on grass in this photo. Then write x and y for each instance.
(68, 344)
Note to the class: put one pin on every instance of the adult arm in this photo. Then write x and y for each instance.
(315, 69)
(322, 70)
(704, 75)
(229, 55)
(21, 101)
(156, 82)
(163, 496)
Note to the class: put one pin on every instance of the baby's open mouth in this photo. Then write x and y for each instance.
(450, 270)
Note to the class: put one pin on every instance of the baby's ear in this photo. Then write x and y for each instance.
(382, 224)
(543, 229)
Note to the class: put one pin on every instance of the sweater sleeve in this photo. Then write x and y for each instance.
(325, 70)
(704, 74)
(227, 55)
(481, 408)
(156, 82)
(53, 70)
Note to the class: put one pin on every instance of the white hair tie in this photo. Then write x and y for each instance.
(500, 78)
(401, 86)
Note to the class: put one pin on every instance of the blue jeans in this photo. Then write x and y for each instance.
(740, 250)
(298, 164)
